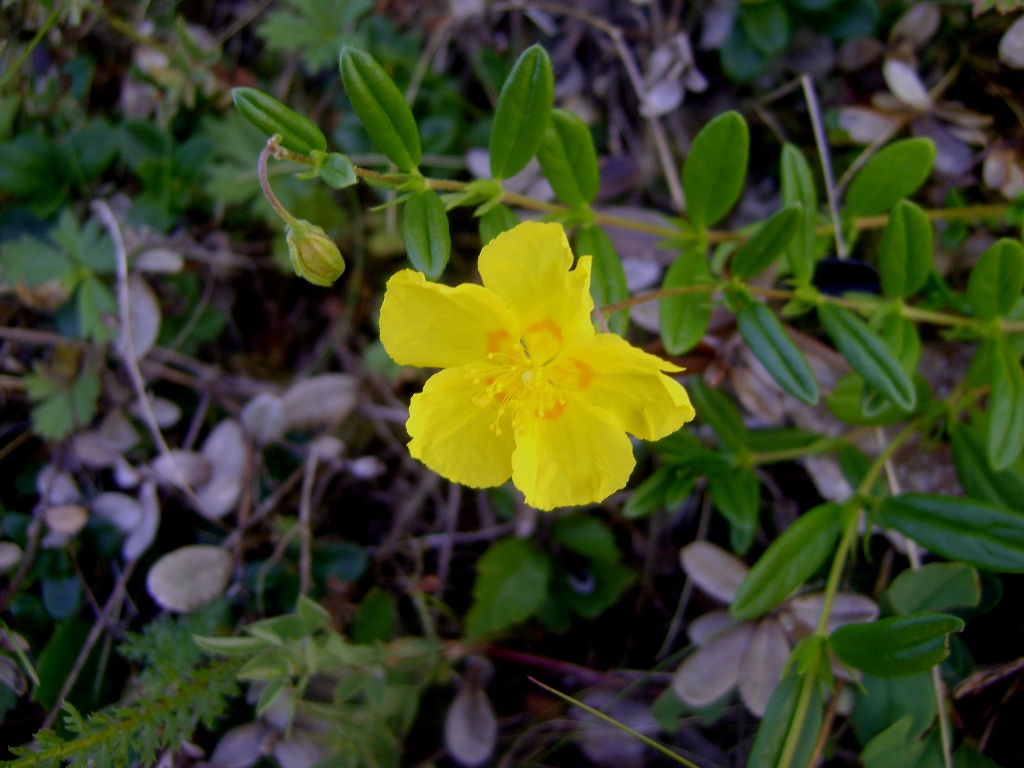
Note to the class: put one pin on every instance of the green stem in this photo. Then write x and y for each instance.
(50, 21)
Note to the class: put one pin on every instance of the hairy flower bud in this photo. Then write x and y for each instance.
(314, 255)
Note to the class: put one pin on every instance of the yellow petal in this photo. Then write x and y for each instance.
(431, 325)
(577, 455)
(453, 435)
(528, 266)
(624, 381)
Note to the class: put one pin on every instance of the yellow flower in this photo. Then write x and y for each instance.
(528, 390)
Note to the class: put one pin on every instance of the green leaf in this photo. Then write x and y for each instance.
(769, 242)
(883, 701)
(798, 187)
(895, 647)
(737, 495)
(568, 158)
(935, 587)
(381, 108)
(1004, 488)
(905, 253)
(610, 580)
(66, 409)
(900, 336)
(587, 536)
(649, 495)
(242, 647)
(1005, 407)
(425, 232)
(298, 133)
(716, 168)
(767, 26)
(898, 747)
(316, 28)
(34, 262)
(778, 718)
(607, 277)
(717, 411)
(778, 353)
(337, 171)
(496, 220)
(791, 559)
(521, 118)
(96, 309)
(512, 581)
(684, 318)
(868, 355)
(847, 396)
(959, 529)
(996, 280)
(892, 174)
(375, 619)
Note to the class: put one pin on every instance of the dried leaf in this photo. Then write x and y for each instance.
(917, 25)
(242, 747)
(189, 577)
(56, 487)
(66, 519)
(703, 629)
(298, 752)
(125, 475)
(714, 570)
(866, 125)
(1011, 45)
(181, 469)
(762, 665)
(140, 538)
(858, 53)
(470, 727)
(263, 418)
(905, 84)
(848, 608)
(166, 413)
(144, 315)
(118, 509)
(10, 555)
(228, 453)
(714, 669)
(161, 260)
(321, 400)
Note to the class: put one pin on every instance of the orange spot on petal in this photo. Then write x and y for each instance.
(497, 339)
(547, 325)
(584, 373)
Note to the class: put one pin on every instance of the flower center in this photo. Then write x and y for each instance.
(519, 388)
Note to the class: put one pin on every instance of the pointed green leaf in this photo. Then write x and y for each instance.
(798, 187)
(892, 174)
(716, 410)
(768, 243)
(381, 108)
(791, 559)
(521, 118)
(607, 277)
(896, 647)
(1004, 488)
(684, 318)
(298, 133)
(959, 529)
(935, 587)
(777, 721)
(905, 253)
(868, 355)
(996, 280)
(737, 496)
(716, 168)
(777, 352)
(425, 233)
(568, 158)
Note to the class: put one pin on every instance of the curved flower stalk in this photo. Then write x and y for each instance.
(749, 655)
(528, 390)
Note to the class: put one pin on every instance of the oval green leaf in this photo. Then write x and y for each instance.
(1005, 407)
(790, 560)
(935, 587)
(337, 171)
(568, 158)
(522, 114)
(868, 355)
(716, 168)
(718, 412)
(381, 108)
(896, 647)
(298, 133)
(757, 253)
(736, 494)
(777, 352)
(905, 253)
(892, 174)
(959, 529)
(425, 232)
(684, 317)
(798, 187)
(767, 26)
(778, 719)
(607, 277)
(996, 280)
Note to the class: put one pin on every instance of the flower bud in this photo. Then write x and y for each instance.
(314, 255)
